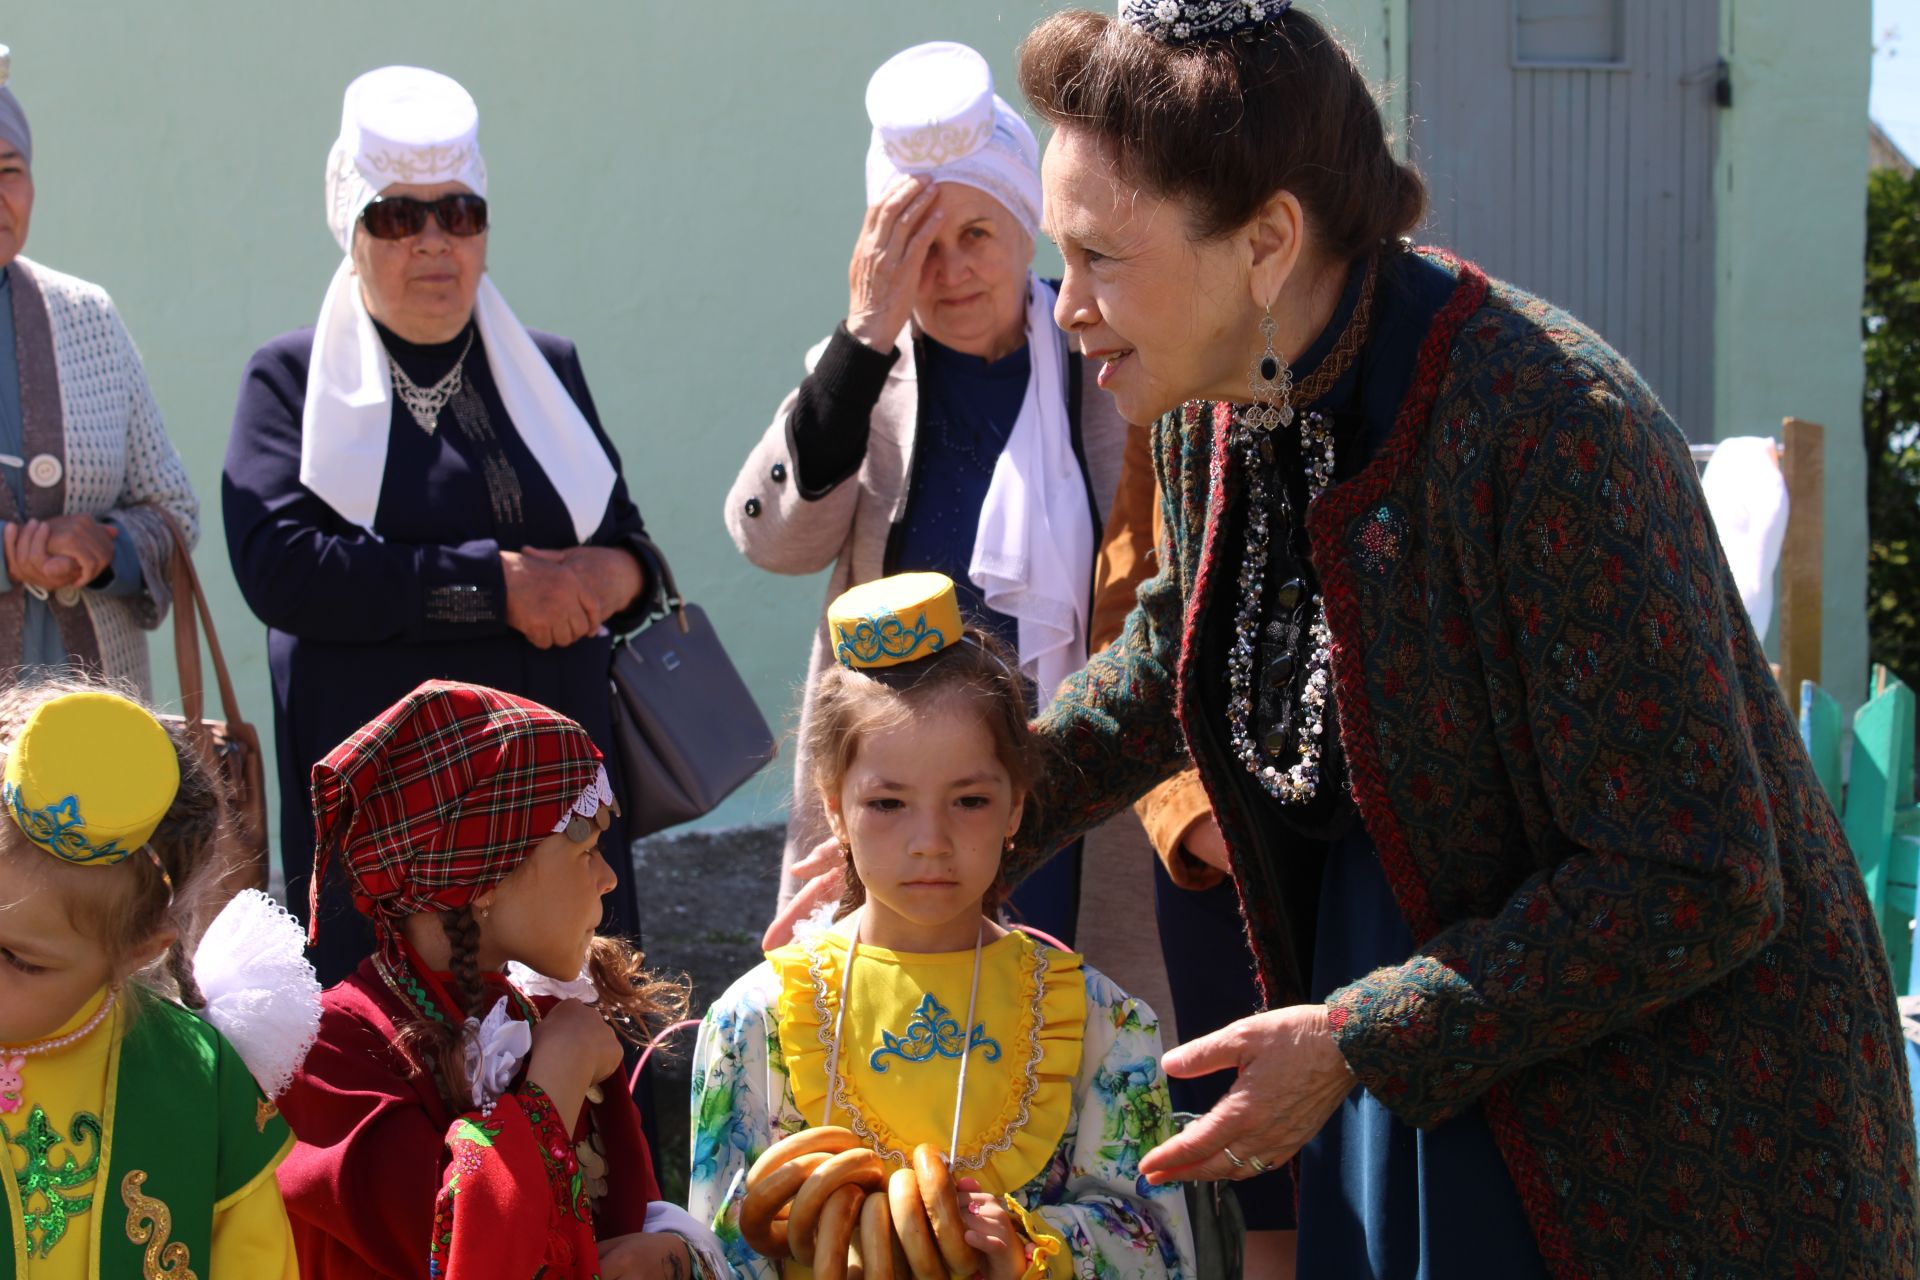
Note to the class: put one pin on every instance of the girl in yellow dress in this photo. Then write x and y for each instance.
(920, 751)
(138, 1141)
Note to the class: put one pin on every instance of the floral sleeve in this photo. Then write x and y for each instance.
(1113, 1223)
(739, 1093)
(515, 1164)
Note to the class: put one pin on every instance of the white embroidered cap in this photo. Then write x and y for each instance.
(934, 111)
(400, 124)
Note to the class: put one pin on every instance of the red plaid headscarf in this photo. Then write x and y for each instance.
(441, 796)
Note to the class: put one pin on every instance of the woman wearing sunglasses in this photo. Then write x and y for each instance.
(418, 487)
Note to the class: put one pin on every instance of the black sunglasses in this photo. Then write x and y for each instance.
(397, 217)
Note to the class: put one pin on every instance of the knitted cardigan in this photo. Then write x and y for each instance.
(1641, 941)
(85, 403)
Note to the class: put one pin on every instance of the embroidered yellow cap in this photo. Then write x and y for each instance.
(889, 621)
(90, 777)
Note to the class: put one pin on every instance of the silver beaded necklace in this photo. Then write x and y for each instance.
(1265, 753)
(1262, 754)
(425, 403)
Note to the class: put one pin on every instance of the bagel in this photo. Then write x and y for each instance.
(942, 1201)
(877, 1245)
(833, 1235)
(859, 1167)
(831, 1139)
(911, 1230)
(765, 1201)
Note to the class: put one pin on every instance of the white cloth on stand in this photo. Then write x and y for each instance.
(1747, 496)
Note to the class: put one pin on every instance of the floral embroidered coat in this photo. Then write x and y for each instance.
(386, 1182)
(1064, 1094)
(1642, 942)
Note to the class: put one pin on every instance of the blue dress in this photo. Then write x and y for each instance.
(1379, 1198)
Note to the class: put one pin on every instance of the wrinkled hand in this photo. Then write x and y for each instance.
(645, 1255)
(823, 878)
(573, 1050)
(31, 561)
(611, 576)
(1204, 843)
(1290, 1079)
(884, 276)
(546, 602)
(990, 1229)
(85, 541)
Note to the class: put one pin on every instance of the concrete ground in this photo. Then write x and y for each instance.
(705, 898)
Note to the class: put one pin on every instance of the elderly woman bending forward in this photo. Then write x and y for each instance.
(418, 487)
(87, 463)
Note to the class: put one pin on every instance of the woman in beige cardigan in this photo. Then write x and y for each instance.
(946, 425)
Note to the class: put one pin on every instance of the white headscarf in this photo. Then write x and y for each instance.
(934, 112)
(405, 124)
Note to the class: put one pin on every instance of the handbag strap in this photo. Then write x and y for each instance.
(185, 580)
(667, 591)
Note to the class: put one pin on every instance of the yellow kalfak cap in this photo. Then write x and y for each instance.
(889, 621)
(91, 777)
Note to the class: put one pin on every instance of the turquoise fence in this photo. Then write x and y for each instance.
(1876, 802)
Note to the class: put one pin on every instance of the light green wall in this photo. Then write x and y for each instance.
(675, 187)
(678, 195)
(1792, 239)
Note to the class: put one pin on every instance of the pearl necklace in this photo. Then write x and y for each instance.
(425, 403)
(13, 1062)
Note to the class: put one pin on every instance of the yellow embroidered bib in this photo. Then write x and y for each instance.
(54, 1143)
(900, 1064)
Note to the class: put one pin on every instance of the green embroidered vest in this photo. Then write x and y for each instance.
(186, 1129)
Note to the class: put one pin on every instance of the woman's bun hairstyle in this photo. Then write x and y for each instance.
(1223, 125)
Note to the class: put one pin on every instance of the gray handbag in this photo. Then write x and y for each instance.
(686, 731)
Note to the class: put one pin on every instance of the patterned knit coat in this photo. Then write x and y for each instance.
(1641, 940)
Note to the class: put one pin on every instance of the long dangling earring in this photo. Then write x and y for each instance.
(1271, 382)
